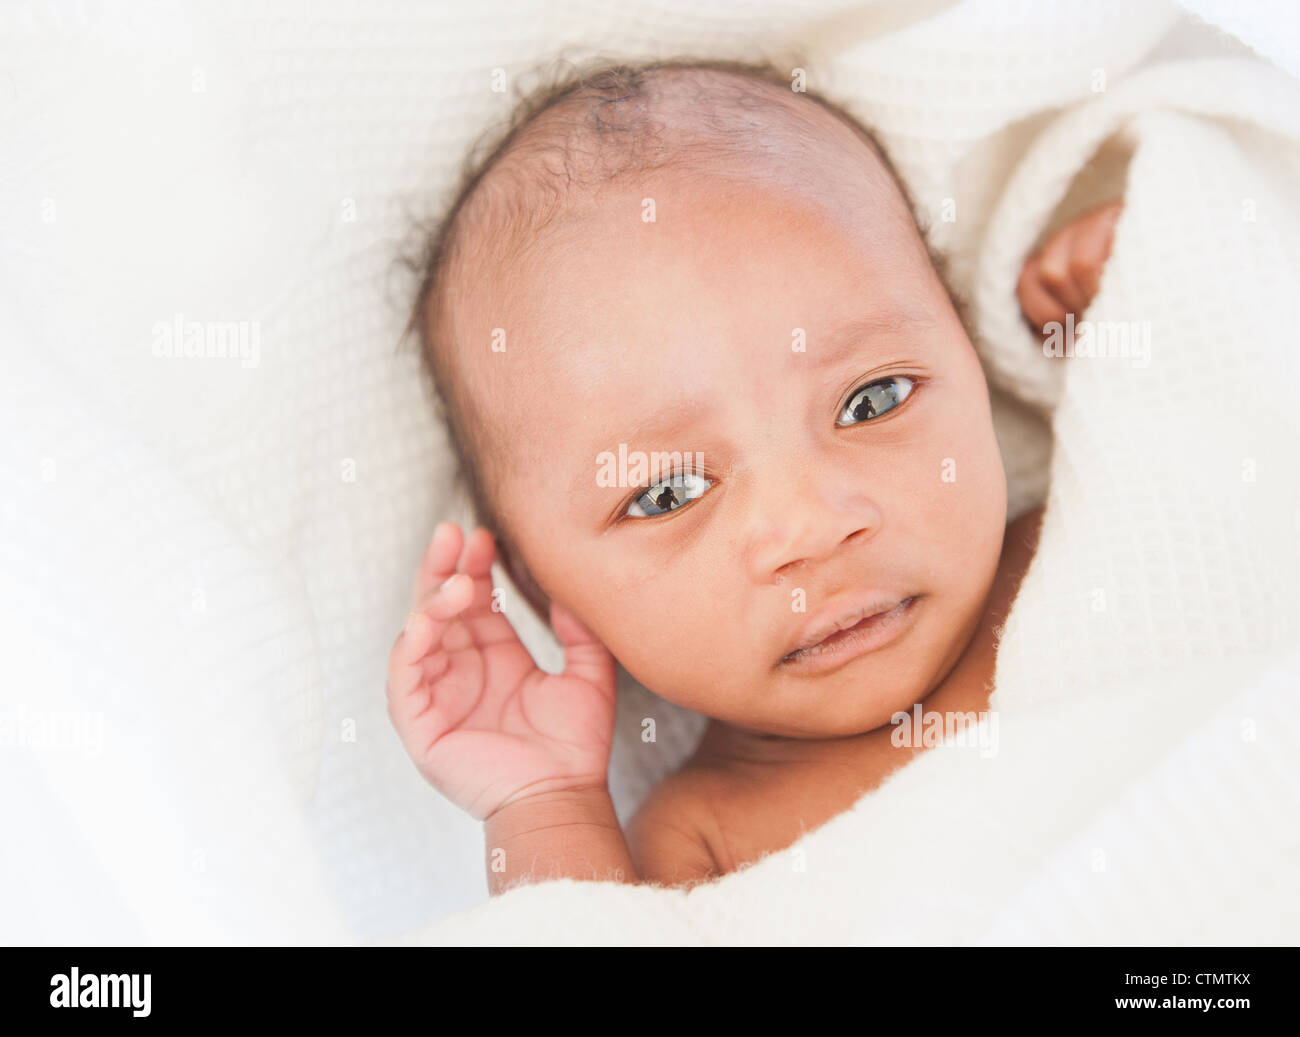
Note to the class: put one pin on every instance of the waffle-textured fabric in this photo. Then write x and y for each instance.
(205, 561)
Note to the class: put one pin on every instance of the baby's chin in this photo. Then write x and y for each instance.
(840, 705)
(842, 711)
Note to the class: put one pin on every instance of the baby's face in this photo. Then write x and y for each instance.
(680, 335)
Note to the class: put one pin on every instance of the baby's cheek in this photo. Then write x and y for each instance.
(960, 496)
(681, 645)
(639, 606)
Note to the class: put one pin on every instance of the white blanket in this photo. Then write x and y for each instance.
(1145, 787)
(205, 561)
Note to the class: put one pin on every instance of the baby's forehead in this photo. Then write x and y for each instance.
(693, 121)
(597, 172)
(529, 231)
(614, 318)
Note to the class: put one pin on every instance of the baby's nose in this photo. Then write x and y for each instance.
(813, 530)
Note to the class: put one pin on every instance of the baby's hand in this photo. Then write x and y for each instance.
(1063, 276)
(483, 724)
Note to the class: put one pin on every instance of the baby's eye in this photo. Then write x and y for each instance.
(875, 399)
(669, 495)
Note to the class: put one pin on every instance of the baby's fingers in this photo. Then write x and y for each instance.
(1056, 272)
(1039, 306)
(439, 561)
(423, 632)
(1090, 246)
(479, 553)
(484, 618)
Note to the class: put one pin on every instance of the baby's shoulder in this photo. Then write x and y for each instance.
(668, 835)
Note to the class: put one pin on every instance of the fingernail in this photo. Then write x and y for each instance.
(443, 586)
(410, 622)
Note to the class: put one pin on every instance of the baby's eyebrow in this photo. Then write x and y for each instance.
(824, 349)
(660, 427)
(663, 426)
(850, 334)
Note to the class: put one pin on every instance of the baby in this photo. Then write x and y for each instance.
(694, 262)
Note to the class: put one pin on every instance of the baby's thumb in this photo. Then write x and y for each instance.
(585, 656)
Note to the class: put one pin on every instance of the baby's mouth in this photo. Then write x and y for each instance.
(875, 626)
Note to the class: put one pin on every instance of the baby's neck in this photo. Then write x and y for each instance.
(964, 689)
